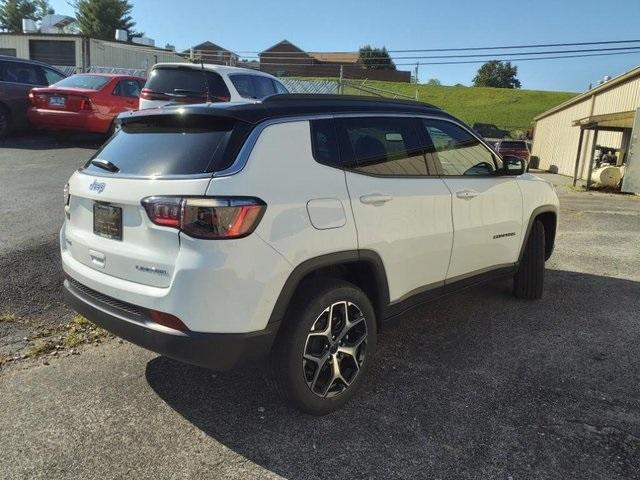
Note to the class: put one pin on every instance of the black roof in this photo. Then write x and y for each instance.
(288, 105)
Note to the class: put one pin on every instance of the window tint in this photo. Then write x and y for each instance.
(158, 146)
(253, 86)
(189, 80)
(458, 152)
(381, 146)
(52, 76)
(90, 82)
(127, 88)
(324, 143)
(280, 88)
(19, 72)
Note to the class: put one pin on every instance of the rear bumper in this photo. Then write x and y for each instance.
(84, 121)
(218, 351)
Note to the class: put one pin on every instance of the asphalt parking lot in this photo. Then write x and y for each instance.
(477, 385)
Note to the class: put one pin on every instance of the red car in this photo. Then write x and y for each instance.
(515, 148)
(86, 102)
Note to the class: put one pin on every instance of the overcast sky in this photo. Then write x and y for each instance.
(332, 25)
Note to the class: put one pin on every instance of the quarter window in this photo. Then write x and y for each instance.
(127, 88)
(324, 143)
(385, 146)
(52, 76)
(458, 152)
(255, 86)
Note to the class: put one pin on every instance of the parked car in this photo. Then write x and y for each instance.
(489, 130)
(87, 102)
(515, 148)
(316, 219)
(185, 83)
(17, 78)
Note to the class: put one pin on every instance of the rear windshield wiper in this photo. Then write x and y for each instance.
(105, 164)
(184, 91)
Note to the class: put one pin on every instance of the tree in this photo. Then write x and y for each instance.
(497, 74)
(375, 58)
(13, 11)
(434, 82)
(101, 18)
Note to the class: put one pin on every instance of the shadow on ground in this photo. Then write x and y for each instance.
(477, 385)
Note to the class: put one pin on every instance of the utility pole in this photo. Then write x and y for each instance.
(417, 70)
(340, 90)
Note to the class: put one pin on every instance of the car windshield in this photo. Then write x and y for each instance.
(89, 82)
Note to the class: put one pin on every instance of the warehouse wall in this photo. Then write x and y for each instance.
(556, 141)
(20, 42)
(114, 54)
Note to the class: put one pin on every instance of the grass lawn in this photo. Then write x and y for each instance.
(506, 108)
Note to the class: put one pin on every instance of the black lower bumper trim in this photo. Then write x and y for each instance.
(218, 351)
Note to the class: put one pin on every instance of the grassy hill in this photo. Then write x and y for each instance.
(507, 108)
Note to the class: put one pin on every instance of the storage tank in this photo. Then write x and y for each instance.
(607, 176)
(121, 35)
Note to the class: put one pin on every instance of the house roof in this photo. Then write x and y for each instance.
(283, 42)
(336, 57)
(210, 46)
(614, 82)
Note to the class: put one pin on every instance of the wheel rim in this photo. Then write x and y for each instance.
(335, 349)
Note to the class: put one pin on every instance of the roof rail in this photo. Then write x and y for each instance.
(289, 97)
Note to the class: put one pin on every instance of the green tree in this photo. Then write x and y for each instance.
(13, 11)
(434, 82)
(375, 58)
(101, 18)
(497, 74)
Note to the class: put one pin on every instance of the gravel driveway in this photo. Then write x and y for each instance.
(476, 385)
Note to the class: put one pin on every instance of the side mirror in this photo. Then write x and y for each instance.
(513, 165)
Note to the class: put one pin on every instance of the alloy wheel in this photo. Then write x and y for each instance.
(335, 349)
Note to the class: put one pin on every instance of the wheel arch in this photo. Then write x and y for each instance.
(363, 268)
(548, 215)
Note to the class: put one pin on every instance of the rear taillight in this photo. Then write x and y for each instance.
(215, 218)
(85, 103)
(32, 99)
(148, 94)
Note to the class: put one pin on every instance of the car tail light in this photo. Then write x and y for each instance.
(215, 218)
(85, 103)
(148, 94)
(168, 320)
(32, 99)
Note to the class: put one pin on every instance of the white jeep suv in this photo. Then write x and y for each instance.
(291, 229)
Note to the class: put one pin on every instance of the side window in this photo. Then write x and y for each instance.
(386, 146)
(22, 73)
(458, 152)
(127, 88)
(324, 143)
(52, 76)
(280, 88)
(253, 86)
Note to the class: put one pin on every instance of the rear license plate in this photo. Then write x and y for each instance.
(107, 221)
(56, 101)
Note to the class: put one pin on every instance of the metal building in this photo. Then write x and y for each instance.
(568, 136)
(79, 53)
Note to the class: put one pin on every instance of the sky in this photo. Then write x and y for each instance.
(342, 25)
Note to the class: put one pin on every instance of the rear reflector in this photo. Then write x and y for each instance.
(214, 218)
(168, 320)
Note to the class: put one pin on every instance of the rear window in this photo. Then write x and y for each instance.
(187, 81)
(256, 86)
(519, 145)
(159, 146)
(90, 82)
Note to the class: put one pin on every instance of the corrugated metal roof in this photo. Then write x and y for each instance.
(631, 74)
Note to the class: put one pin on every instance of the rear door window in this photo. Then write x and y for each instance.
(187, 81)
(385, 146)
(255, 86)
(161, 146)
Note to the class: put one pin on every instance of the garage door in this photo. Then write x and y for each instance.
(53, 52)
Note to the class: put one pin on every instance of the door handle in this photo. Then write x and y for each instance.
(466, 194)
(375, 199)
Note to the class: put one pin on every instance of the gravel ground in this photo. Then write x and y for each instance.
(477, 385)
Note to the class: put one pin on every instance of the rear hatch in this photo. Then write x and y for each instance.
(517, 149)
(181, 84)
(107, 227)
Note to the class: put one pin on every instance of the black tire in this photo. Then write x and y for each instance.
(290, 373)
(5, 123)
(529, 280)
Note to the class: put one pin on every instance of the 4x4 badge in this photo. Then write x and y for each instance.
(97, 186)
